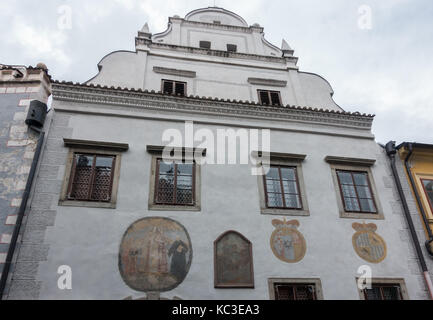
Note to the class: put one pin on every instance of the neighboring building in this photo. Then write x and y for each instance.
(122, 223)
(19, 85)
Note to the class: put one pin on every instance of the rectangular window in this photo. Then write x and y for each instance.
(174, 87)
(383, 292)
(205, 44)
(282, 188)
(91, 177)
(285, 291)
(356, 191)
(271, 98)
(174, 183)
(428, 189)
(232, 48)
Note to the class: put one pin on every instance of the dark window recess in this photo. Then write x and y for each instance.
(267, 97)
(356, 191)
(91, 177)
(383, 292)
(205, 44)
(217, 22)
(295, 292)
(282, 188)
(175, 183)
(174, 87)
(232, 48)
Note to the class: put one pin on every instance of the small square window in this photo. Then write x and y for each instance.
(270, 98)
(232, 48)
(205, 44)
(385, 289)
(295, 289)
(174, 87)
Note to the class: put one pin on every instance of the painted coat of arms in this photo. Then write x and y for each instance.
(155, 255)
(287, 243)
(367, 243)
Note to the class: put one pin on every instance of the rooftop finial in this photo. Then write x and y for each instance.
(145, 28)
(287, 50)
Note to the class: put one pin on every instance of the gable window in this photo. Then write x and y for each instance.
(354, 185)
(174, 87)
(232, 48)
(205, 44)
(385, 289)
(356, 191)
(91, 173)
(174, 183)
(270, 98)
(428, 189)
(295, 289)
(281, 188)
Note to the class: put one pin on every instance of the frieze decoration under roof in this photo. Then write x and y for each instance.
(151, 100)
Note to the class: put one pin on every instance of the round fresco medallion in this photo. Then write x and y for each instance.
(287, 243)
(367, 243)
(155, 255)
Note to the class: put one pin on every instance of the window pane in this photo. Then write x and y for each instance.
(184, 168)
(83, 173)
(304, 293)
(348, 191)
(391, 293)
(351, 204)
(168, 87)
(165, 192)
(104, 162)
(102, 179)
(288, 174)
(273, 186)
(179, 89)
(166, 168)
(273, 173)
(428, 185)
(360, 179)
(364, 192)
(373, 294)
(275, 200)
(290, 187)
(184, 182)
(184, 196)
(264, 97)
(292, 201)
(345, 177)
(275, 98)
(284, 292)
(367, 205)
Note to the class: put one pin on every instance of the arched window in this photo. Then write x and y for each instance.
(233, 261)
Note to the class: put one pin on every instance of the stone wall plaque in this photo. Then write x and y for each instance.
(287, 243)
(155, 255)
(367, 243)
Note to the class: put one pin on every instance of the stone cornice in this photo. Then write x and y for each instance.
(226, 27)
(139, 99)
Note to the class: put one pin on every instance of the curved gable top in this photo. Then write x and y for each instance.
(212, 14)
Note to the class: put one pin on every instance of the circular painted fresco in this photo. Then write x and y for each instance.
(287, 243)
(155, 254)
(369, 246)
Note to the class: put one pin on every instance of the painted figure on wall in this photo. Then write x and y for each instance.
(233, 261)
(155, 255)
(287, 243)
(367, 243)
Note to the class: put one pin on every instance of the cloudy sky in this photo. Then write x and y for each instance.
(382, 66)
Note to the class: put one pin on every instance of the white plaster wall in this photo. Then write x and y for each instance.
(88, 239)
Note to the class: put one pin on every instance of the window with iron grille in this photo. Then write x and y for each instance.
(91, 177)
(270, 98)
(285, 291)
(174, 183)
(356, 191)
(232, 48)
(383, 292)
(282, 188)
(174, 87)
(205, 44)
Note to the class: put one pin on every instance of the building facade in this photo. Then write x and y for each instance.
(124, 223)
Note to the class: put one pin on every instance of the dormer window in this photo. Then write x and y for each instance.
(232, 47)
(217, 22)
(174, 87)
(205, 44)
(270, 98)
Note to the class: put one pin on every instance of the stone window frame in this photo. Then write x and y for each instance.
(308, 281)
(187, 154)
(174, 83)
(355, 164)
(269, 93)
(289, 160)
(386, 281)
(95, 148)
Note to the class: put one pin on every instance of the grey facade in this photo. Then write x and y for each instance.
(317, 137)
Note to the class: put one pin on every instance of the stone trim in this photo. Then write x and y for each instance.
(379, 215)
(185, 151)
(350, 161)
(311, 281)
(267, 82)
(175, 72)
(279, 156)
(398, 281)
(89, 144)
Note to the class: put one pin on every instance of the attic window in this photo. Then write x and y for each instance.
(205, 44)
(232, 48)
(267, 97)
(217, 22)
(174, 87)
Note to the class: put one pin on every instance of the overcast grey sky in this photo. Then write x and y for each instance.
(386, 70)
